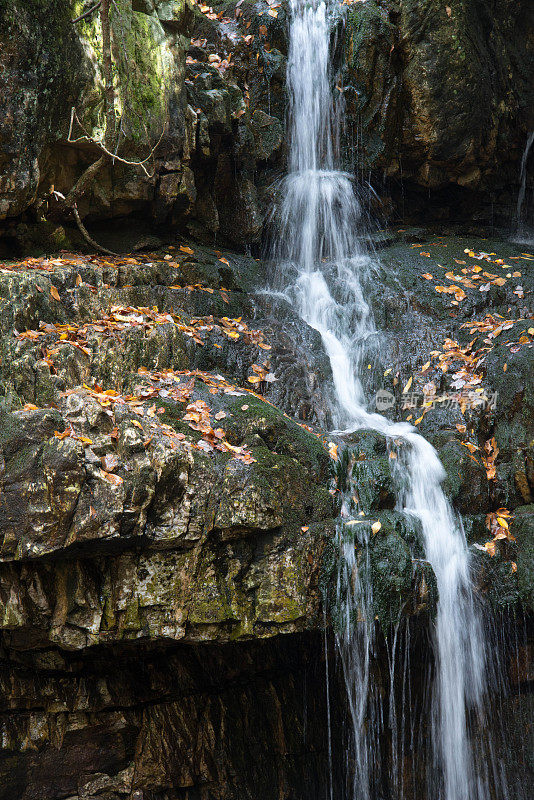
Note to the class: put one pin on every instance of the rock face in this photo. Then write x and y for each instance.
(168, 501)
(224, 722)
(199, 134)
(440, 98)
(168, 532)
(163, 509)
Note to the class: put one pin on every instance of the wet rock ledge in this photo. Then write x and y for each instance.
(156, 510)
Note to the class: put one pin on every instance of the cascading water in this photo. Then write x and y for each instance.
(323, 271)
(524, 233)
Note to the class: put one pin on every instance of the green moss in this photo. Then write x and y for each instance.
(131, 620)
(282, 594)
(142, 73)
(212, 598)
(391, 576)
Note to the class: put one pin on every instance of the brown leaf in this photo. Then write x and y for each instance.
(115, 480)
(54, 292)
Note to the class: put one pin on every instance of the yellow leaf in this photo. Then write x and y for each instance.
(110, 477)
(375, 527)
(332, 449)
(490, 548)
(54, 292)
(407, 387)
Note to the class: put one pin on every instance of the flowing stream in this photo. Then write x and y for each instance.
(324, 271)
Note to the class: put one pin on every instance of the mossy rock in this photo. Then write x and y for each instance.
(523, 530)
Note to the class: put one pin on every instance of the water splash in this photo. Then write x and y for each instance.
(325, 273)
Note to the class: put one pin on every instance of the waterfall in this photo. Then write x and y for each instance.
(523, 235)
(323, 270)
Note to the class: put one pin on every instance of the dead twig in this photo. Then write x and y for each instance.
(86, 235)
(113, 156)
(87, 13)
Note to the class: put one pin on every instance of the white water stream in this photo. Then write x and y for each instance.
(324, 273)
(524, 233)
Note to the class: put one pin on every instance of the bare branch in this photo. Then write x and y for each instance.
(86, 235)
(113, 156)
(87, 13)
(84, 181)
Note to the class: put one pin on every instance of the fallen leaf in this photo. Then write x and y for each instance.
(109, 462)
(115, 480)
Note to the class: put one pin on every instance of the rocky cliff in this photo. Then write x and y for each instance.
(438, 103)
(168, 509)
(169, 491)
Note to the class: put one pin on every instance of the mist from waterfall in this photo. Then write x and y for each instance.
(324, 272)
